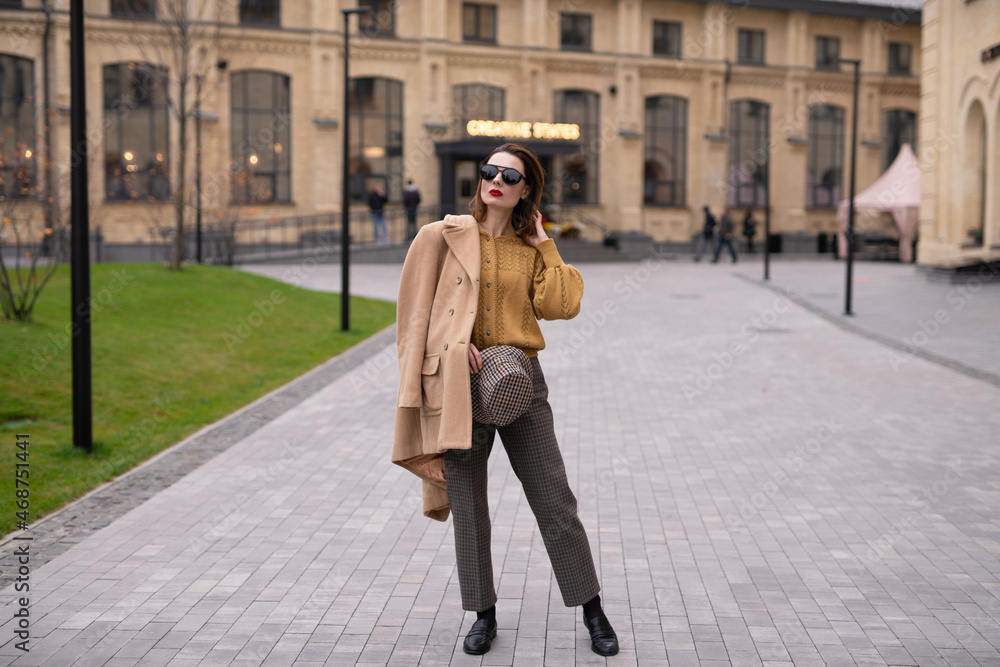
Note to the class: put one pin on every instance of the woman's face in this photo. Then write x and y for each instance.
(499, 193)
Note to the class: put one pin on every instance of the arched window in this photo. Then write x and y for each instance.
(665, 155)
(578, 173)
(898, 127)
(261, 137)
(749, 134)
(136, 139)
(375, 106)
(476, 101)
(825, 163)
(973, 214)
(17, 127)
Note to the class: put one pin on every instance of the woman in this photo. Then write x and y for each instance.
(471, 282)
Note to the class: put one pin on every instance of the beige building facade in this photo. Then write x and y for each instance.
(642, 112)
(960, 133)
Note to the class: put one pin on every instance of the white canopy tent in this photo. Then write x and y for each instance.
(896, 191)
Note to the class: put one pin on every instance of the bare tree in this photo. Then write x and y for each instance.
(32, 240)
(34, 248)
(186, 37)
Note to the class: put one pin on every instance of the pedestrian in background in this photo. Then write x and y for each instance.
(707, 232)
(411, 199)
(749, 229)
(469, 283)
(376, 202)
(726, 229)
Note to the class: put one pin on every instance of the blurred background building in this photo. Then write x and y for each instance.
(960, 133)
(641, 112)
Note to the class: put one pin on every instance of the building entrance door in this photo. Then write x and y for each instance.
(466, 180)
(459, 170)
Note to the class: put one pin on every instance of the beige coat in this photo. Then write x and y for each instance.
(435, 314)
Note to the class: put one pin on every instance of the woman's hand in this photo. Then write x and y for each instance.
(539, 234)
(475, 360)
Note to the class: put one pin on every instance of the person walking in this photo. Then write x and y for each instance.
(471, 282)
(726, 229)
(411, 199)
(376, 202)
(707, 232)
(749, 229)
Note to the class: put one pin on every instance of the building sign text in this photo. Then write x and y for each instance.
(522, 130)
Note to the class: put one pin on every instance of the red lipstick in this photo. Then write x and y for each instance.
(496, 193)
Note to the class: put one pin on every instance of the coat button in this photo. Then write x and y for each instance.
(487, 333)
(446, 346)
(489, 284)
(487, 260)
(487, 308)
(458, 281)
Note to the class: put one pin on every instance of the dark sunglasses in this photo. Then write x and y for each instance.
(509, 175)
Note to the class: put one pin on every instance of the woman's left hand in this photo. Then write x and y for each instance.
(539, 234)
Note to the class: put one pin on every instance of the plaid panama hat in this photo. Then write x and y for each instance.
(502, 391)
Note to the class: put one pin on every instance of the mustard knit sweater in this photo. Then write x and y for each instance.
(519, 285)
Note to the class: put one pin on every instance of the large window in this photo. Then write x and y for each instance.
(898, 127)
(577, 173)
(576, 31)
(17, 127)
(476, 101)
(749, 154)
(134, 9)
(665, 160)
(260, 12)
(750, 47)
(825, 163)
(479, 22)
(376, 142)
(899, 58)
(828, 53)
(382, 21)
(136, 138)
(261, 137)
(667, 38)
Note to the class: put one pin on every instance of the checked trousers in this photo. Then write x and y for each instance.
(534, 456)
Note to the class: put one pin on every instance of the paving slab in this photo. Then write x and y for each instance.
(760, 485)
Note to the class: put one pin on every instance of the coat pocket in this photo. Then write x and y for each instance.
(431, 385)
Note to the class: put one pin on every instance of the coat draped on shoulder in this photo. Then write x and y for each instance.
(435, 315)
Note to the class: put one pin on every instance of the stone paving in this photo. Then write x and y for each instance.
(761, 486)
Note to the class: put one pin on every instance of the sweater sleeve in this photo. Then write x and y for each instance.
(558, 286)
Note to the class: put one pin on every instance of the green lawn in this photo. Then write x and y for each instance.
(171, 353)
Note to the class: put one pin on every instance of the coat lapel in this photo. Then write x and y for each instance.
(462, 236)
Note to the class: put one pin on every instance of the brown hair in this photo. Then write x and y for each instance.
(534, 176)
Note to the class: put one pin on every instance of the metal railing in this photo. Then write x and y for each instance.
(228, 242)
(231, 241)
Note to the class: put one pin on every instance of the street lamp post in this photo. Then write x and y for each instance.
(767, 220)
(83, 432)
(198, 78)
(850, 201)
(345, 197)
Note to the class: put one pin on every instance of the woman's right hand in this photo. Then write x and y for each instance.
(475, 360)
